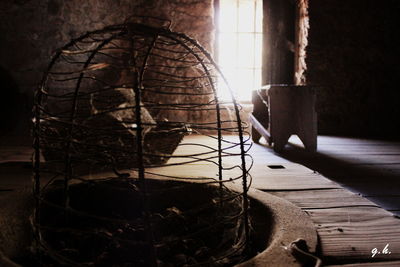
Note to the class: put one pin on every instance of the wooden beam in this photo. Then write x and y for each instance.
(278, 41)
(260, 129)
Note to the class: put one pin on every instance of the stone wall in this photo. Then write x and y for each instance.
(31, 31)
(351, 53)
(350, 56)
(301, 42)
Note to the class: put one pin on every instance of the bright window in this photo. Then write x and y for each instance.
(239, 34)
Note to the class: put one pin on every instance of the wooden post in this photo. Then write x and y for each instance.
(278, 41)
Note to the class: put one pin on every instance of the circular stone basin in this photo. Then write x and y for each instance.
(109, 212)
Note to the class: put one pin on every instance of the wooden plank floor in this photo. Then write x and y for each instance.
(370, 264)
(349, 225)
(368, 167)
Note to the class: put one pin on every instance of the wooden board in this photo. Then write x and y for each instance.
(292, 177)
(260, 128)
(391, 203)
(348, 141)
(351, 233)
(381, 191)
(369, 264)
(367, 159)
(370, 167)
(324, 199)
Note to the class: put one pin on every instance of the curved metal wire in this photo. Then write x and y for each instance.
(122, 108)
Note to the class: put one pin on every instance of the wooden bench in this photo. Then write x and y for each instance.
(282, 110)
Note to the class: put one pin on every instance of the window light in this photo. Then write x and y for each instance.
(239, 46)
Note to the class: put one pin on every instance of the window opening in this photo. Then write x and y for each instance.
(239, 37)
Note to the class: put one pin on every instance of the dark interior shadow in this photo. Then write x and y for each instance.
(8, 102)
(15, 175)
(15, 107)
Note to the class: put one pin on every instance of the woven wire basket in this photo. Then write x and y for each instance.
(136, 161)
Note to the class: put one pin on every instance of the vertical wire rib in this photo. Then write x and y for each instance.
(68, 164)
(139, 137)
(36, 163)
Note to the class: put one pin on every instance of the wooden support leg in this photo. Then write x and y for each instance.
(309, 140)
(307, 122)
(258, 130)
(255, 135)
(280, 142)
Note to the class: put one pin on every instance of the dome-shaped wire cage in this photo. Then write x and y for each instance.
(136, 161)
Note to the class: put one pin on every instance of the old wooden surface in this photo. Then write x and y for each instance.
(351, 233)
(369, 167)
(370, 264)
(349, 226)
(325, 198)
